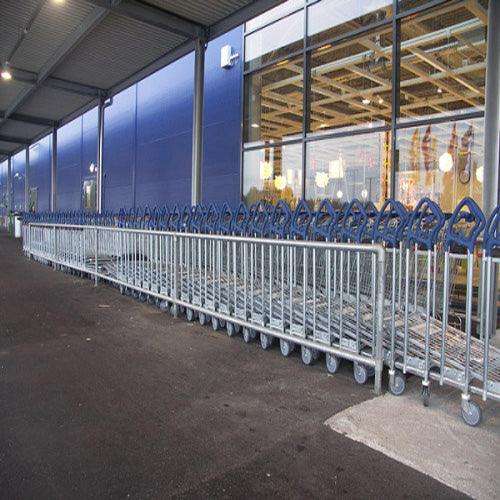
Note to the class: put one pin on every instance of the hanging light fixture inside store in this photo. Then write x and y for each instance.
(339, 194)
(266, 170)
(280, 182)
(336, 168)
(364, 193)
(321, 179)
(480, 174)
(445, 162)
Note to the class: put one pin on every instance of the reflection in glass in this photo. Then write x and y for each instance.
(273, 102)
(331, 18)
(272, 174)
(443, 61)
(442, 161)
(273, 14)
(351, 83)
(344, 168)
(274, 41)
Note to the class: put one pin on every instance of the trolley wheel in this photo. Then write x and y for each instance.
(164, 306)
(397, 383)
(237, 328)
(248, 335)
(286, 347)
(222, 323)
(309, 356)
(426, 395)
(151, 299)
(182, 309)
(203, 318)
(215, 323)
(266, 341)
(190, 314)
(230, 328)
(332, 362)
(174, 310)
(360, 373)
(471, 413)
(122, 289)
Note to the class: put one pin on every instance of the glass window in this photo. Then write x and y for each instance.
(273, 102)
(331, 18)
(344, 168)
(271, 174)
(443, 61)
(274, 41)
(443, 162)
(274, 14)
(351, 83)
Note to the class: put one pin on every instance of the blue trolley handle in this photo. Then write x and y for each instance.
(426, 213)
(492, 232)
(212, 219)
(225, 220)
(474, 215)
(323, 219)
(260, 220)
(354, 222)
(383, 230)
(241, 219)
(301, 220)
(280, 219)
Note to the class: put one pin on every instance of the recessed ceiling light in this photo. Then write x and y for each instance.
(6, 74)
(366, 101)
(58, 1)
(255, 125)
(440, 90)
(323, 125)
(380, 100)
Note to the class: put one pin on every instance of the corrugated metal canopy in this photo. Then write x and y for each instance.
(66, 54)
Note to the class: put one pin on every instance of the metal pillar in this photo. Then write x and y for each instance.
(27, 181)
(197, 150)
(53, 172)
(492, 111)
(100, 142)
(9, 185)
(491, 167)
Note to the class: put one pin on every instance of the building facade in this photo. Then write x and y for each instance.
(335, 99)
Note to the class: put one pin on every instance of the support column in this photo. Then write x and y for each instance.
(9, 186)
(53, 171)
(492, 135)
(197, 150)
(492, 111)
(100, 142)
(27, 181)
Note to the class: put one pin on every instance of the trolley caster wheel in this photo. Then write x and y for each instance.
(248, 335)
(397, 383)
(360, 373)
(309, 356)
(222, 323)
(266, 341)
(216, 324)
(471, 413)
(286, 347)
(143, 297)
(151, 300)
(135, 294)
(182, 309)
(163, 306)
(203, 319)
(174, 310)
(426, 395)
(122, 290)
(231, 329)
(332, 363)
(190, 314)
(237, 328)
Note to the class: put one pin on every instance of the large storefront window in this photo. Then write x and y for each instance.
(351, 83)
(443, 61)
(364, 78)
(442, 161)
(271, 174)
(273, 102)
(344, 168)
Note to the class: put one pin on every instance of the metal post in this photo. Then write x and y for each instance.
(27, 181)
(492, 134)
(53, 171)
(197, 150)
(9, 186)
(492, 111)
(100, 141)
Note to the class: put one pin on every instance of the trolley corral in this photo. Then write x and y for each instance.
(372, 287)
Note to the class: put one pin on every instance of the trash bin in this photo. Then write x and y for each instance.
(18, 222)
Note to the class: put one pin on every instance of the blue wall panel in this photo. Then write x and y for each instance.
(75, 142)
(164, 127)
(222, 122)
(39, 171)
(18, 178)
(119, 150)
(4, 166)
